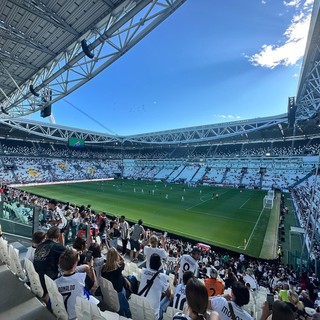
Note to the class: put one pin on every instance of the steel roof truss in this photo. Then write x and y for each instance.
(73, 68)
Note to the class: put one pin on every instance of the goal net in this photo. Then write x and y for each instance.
(268, 202)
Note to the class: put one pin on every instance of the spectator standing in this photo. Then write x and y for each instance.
(57, 218)
(153, 248)
(37, 238)
(187, 262)
(113, 234)
(124, 230)
(136, 233)
(46, 256)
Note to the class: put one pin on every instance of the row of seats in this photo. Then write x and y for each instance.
(17, 301)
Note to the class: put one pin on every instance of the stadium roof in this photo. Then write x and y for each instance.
(49, 48)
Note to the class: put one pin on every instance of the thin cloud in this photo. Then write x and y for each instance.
(292, 3)
(287, 54)
(227, 116)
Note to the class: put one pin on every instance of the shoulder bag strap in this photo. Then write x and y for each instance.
(233, 317)
(148, 285)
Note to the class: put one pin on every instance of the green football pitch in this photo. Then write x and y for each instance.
(235, 220)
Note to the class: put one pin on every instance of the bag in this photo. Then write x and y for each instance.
(147, 287)
(134, 285)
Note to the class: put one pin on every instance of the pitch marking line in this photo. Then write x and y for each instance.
(245, 203)
(254, 229)
(203, 201)
(221, 216)
(207, 240)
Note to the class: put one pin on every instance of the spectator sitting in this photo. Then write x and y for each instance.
(227, 305)
(280, 311)
(37, 238)
(196, 305)
(154, 284)
(214, 285)
(75, 284)
(112, 271)
(180, 294)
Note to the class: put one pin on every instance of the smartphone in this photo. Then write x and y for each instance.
(270, 300)
(88, 256)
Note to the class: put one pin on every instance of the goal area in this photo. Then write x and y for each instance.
(268, 200)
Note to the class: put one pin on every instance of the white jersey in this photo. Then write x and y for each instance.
(148, 251)
(159, 285)
(187, 263)
(71, 287)
(179, 297)
(124, 230)
(57, 215)
(220, 304)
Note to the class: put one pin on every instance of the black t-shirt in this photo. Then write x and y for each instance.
(46, 259)
(115, 277)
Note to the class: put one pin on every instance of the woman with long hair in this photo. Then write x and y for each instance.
(196, 305)
(112, 271)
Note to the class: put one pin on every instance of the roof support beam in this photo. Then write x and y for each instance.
(43, 12)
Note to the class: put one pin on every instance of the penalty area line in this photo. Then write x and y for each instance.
(254, 228)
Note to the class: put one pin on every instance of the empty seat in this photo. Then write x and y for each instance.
(34, 279)
(12, 291)
(57, 302)
(140, 308)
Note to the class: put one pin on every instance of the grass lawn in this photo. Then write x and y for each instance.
(190, 212)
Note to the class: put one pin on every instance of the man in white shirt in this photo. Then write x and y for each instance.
(226, 305)
(153, 290)
(37, 238)
(124, 230)
(153, 248)
(57, 218)
(187, 262)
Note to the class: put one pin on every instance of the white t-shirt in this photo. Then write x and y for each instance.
(220, 304)
(179, 297)
(148, 251)
(159, 285)
(251, 280)
(72, 287)
(57, 214)
(124, 230)
(187, 263)
(30, 253)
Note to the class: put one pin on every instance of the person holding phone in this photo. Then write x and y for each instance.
(279, 310)
(74, 284)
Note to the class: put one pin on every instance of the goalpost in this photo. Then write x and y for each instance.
(268, 200)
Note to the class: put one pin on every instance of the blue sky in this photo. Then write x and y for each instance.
(211, 61)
